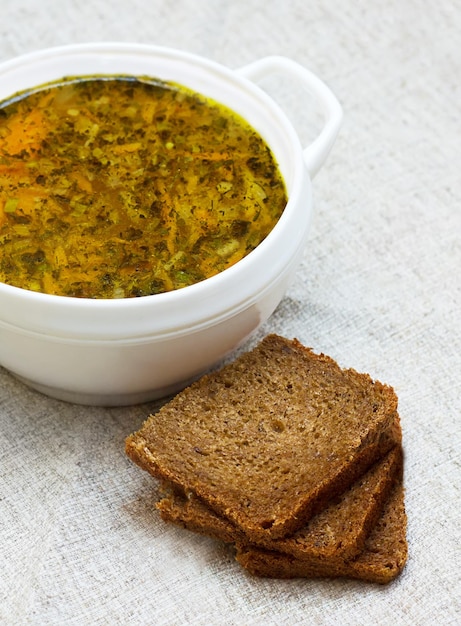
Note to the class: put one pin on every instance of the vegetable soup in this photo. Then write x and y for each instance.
(116, 187)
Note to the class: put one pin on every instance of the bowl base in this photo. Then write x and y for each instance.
(105, 400)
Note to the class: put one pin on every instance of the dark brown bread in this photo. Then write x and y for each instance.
(267, 440)
(340, 530)
(382, 559)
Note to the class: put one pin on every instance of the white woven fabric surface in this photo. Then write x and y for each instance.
(379, 290)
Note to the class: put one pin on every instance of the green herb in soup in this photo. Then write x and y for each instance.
(115, 187)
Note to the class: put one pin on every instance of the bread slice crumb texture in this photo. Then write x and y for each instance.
(265, 438)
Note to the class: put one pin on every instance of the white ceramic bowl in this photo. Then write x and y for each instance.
(126, 351)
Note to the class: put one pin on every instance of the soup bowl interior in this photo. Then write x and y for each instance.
(130, 350)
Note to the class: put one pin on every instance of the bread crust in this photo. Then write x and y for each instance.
(381, 561)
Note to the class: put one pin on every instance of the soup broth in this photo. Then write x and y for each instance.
(116, 187)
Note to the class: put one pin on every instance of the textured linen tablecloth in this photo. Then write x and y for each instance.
(379, 289)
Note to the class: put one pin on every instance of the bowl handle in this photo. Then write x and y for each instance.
(316, 153)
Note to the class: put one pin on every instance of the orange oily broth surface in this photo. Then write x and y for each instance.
(121, 187)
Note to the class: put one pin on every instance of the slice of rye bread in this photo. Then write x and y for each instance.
(340, 530)
(382, 559)
(268, 439)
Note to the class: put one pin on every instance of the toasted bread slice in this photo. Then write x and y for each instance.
(267, 440)
(382, 559)
(340, 530)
